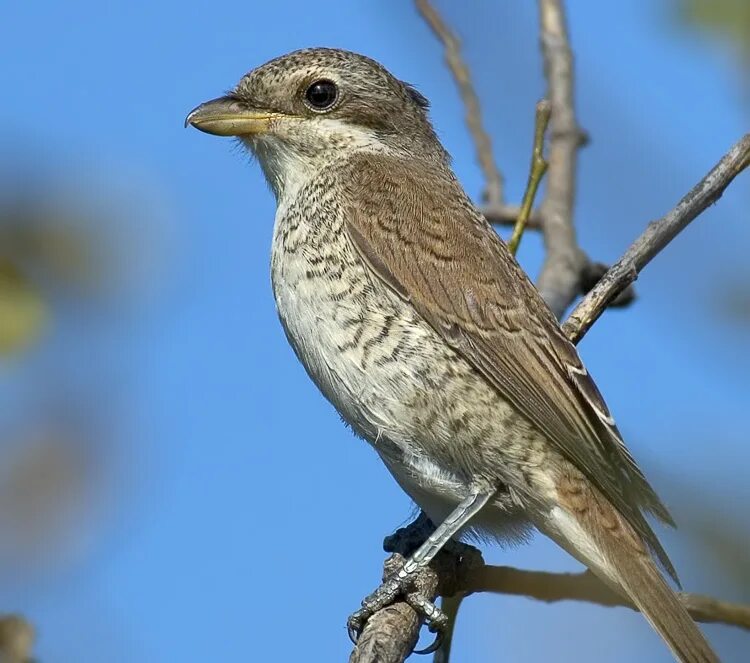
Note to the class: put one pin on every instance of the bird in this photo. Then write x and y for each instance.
(412, 317)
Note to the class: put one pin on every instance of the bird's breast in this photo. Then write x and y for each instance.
(348, 331)
(430, 414)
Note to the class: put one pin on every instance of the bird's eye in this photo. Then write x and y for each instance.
(321, 95)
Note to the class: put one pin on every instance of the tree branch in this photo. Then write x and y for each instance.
(493, 192)
(560, 279)
(656, 236)
(391, 634)
(553, 587)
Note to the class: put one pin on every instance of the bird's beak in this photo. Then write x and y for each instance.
(228, 116)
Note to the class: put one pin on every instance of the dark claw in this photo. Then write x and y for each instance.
(435, 619)
(384, 595)
(436, 644)
(354, 626)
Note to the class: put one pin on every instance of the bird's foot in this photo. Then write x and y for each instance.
(416, 582)
(401, 585)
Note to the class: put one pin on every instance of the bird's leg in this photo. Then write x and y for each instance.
(406, 540)
(400, 583)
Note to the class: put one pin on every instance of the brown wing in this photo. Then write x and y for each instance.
(418, 232)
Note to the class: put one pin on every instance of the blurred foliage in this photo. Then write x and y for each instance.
(46, 247)
(16, 639)
(78, 256)
(22, 311)
(714, 527)
(719, 537)
(727, 19)
(726, 544)
(47, 481)
(734, 301)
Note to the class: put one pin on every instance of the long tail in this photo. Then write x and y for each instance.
(591, 530)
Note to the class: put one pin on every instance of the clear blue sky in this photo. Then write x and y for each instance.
(233, 493)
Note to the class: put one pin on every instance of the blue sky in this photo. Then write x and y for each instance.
(229, 492)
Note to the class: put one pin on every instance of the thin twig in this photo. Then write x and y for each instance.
(493, 192)
(536, 173)
(656, 236)
(553, 587)
(559, 280)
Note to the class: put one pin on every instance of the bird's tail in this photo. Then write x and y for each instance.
(602, 539)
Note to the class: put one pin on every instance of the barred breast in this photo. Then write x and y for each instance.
(389, 375)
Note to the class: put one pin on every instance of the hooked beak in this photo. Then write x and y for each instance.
(228, 116)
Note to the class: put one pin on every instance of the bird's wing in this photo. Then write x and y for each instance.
(416, 230)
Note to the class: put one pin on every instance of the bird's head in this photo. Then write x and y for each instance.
(307, 108)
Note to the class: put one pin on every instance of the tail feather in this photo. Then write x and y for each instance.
(646, 587)
(588, 527)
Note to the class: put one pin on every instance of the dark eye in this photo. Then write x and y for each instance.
(321, 95)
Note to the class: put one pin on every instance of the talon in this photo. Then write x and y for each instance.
(435, 619)
(355, 624)
(400, 584)
(432, 648)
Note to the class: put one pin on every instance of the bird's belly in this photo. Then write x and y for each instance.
(360, 351)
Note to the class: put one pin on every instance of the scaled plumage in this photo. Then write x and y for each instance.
(416, 322)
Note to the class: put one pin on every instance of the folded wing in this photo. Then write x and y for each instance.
(419, 234)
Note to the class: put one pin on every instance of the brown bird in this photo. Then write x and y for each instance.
(417, 324)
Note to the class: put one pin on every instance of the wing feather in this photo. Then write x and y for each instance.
(417, 231)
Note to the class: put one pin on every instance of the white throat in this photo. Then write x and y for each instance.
(290, 160)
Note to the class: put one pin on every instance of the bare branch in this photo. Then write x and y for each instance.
(553, 587)
(656, 236)
(493, 192)
(559, 280)
(390, 635)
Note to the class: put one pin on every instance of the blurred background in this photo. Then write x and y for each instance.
(171, 483)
